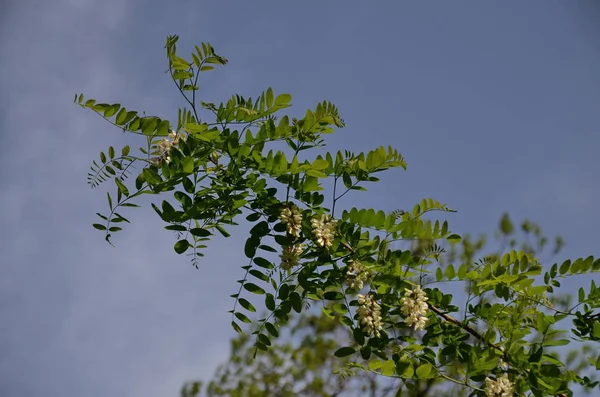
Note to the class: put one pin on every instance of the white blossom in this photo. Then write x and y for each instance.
(292, 217)
(356, 275)
(500, 387)
(174, 137)
(290, 256)
(369, 314)
(324, 230)
(414, 307)
(164, 145)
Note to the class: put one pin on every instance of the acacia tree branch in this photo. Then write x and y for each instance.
(466, 327)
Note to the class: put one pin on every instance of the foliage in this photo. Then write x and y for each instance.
(396, 302)
(302, 363)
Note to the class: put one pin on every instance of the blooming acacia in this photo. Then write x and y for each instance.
(356, 275)
(324, 230)
(290, 255)
(369, 314)
(414, 307)
(292, 218)
(499, 387)
(503, 293)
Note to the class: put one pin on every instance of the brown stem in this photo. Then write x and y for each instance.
(463, 326)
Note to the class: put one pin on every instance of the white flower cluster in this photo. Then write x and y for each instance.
(290, 256)
(500, 387)
(292, 217)
(414, 307)
(356, 275)
(324, 230)
(369, 314)
(165, 144)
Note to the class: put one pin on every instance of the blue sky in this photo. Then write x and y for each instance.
(493, 104)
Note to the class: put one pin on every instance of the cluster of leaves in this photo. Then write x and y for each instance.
(302, 361)
(230, 167)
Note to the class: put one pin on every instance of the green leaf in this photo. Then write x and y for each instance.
(259, 275)
(250, 248)
(253, 217)
(333, 295)
(260, 229)
(320, 164)
(270, 301)
(123, 117)
(208, 135)
(296, 301)
(242, 317)
(236, 328)
(246, 305)
(453, 238)
(188, 164)
(556, 342)
(255, 289)
(222, 230)
(264, 339)
(179, 63)
(450, 272)
(261, 346)
(151, 176)
(99, 226)
(564, 268)
(120, 119)
(200, 232)
(111, 110)
(405, 370)
(149, 125)
(388, 368)
(596, 333)
(109, 201)
(125, 150)
(122, 188)
(267, 248)
(181, 246)
(188, 185)
(181, 74)
(424, 371)
(284, 291)
(283, 100)
(506, 226)
(269, 97)
(271, 329)
(439, 274)
(347, 180)
(344, 352)
(311, 184)
(462, 271)
(178, 228)
(262, 262)
(163, 128)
